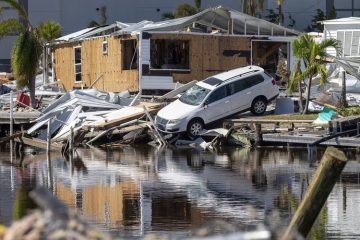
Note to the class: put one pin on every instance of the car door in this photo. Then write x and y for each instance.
(240, 97)
(243, 92)
(218, 104)
(255, 87)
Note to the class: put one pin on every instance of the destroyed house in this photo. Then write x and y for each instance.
(157, 55)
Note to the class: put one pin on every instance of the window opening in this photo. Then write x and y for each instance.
(77, 64)
(170, 54)
(105, 48)
(129, 55)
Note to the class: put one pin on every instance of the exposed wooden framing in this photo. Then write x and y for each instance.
(95, 64)
(210, 54)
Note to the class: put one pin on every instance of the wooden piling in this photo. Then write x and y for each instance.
(258, 137)
(11, 125)
(328, 172)
(343, 90)
(48, 146)
(71, 145)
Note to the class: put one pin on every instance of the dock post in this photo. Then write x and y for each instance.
(11, 125)
(258, 136)
(48, 147)
(71, 146)
(343, 90)
(325, 177)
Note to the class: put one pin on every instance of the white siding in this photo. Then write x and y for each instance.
(155, 82)
(145, 51)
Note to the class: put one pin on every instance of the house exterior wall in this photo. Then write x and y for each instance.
(341, 31)
(95, 64)
(209, 55)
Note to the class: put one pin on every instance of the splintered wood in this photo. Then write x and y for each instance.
(123, 115)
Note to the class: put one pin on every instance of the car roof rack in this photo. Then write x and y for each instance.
(237, 76)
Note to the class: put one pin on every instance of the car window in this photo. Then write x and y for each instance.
(237, 86)
(217, 94)
(253, 80)
(245, 83)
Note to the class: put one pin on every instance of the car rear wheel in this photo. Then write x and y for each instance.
(194, 128)
(258, 107)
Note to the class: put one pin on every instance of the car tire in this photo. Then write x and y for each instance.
(258, 106)
(194, 128)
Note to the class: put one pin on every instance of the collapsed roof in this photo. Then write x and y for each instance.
(219, 18)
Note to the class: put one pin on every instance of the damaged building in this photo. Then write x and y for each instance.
(158, 55)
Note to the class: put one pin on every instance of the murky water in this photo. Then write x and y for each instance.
(137, 191)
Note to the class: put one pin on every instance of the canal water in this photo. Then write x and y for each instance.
(136, 191)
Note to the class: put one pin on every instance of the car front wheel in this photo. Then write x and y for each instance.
(258, 107)
(194, 128)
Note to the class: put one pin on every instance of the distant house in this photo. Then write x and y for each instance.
(156, 55)
(346, 30)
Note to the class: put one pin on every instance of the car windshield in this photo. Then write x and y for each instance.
(195, 95)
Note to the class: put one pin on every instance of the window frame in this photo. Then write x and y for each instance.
(343, 42)
(227, 94)
(77, 64)
(106, 50)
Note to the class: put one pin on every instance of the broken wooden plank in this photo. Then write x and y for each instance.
(35, 142)
(8, 138)
(123, 115)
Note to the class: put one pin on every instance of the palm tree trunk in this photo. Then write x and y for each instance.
(308, 90)
(32, 91)
(281, 17)
(301, 107)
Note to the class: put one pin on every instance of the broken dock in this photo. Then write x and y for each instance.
(342, 132)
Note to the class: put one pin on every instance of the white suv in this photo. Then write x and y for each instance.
(217, 97)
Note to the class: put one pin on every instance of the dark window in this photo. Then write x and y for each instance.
(245, 83)
(105, 48)
(237, 86)
(217, 95)
(212, 81)
(129, 55)
(169, 54)
(77, 64)
(253, 80)
(77, 52)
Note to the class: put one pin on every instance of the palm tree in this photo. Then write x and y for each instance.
(27, 48)
(313, 55)
(251, 6)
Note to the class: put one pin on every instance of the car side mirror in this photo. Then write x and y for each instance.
(206, 103)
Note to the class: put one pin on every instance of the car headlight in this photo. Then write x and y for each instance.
(174, 121)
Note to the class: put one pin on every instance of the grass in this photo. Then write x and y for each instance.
(349, 111)
(291, 117)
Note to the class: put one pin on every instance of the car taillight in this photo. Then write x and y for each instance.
(273, 82)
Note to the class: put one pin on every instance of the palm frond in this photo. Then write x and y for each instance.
(332, 43)
(25, 57)
(49, 31)
(10, 26)
(18, 7)
(323, 73)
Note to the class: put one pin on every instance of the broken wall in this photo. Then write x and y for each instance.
(95, 64)
(208, 55)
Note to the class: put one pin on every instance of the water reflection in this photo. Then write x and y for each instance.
(136, 191)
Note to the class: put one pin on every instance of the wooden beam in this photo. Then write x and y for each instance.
(35, 142)
(329, 170)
